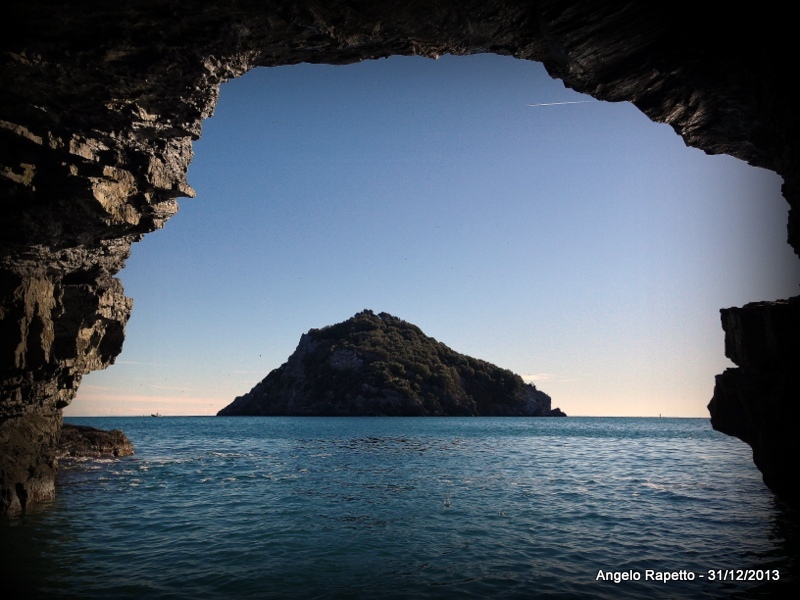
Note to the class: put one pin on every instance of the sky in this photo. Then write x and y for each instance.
(579, 245)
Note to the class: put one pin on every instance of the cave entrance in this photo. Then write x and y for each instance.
(579, 245)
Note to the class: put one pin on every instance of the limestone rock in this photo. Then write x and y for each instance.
(29, 462)
(381, 365)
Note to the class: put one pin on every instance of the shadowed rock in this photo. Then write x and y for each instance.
(82, 441)
(754, 400)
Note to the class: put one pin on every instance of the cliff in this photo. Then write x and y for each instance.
(750, 400)
(381, 365)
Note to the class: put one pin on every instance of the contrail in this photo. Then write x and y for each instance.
(560, 103)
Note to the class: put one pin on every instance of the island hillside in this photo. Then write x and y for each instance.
(377, 364)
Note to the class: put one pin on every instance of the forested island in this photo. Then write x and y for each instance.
(380, 365)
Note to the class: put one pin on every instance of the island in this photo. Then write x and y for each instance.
(380, 365)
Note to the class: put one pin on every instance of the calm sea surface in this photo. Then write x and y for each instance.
(406, 508)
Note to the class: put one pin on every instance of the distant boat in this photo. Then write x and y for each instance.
(155, 415)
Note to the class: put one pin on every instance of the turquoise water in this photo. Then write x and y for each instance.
(405, 508)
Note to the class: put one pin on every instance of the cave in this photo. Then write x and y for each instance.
(101, 105)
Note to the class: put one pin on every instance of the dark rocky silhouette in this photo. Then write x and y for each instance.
(381, 365)
(750, 401)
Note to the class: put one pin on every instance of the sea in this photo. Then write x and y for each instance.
(420, 507)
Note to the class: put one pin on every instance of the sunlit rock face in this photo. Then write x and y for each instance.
(100, 103)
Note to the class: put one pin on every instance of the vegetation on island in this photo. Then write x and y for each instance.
(378, 364)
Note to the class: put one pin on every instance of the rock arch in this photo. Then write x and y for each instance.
(101, 102)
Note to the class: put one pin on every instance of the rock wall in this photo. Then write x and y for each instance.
(758, 400)
(100, 103)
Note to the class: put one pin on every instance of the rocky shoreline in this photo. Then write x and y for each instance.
(82, 441)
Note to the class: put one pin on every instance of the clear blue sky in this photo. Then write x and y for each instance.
(580, 245)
